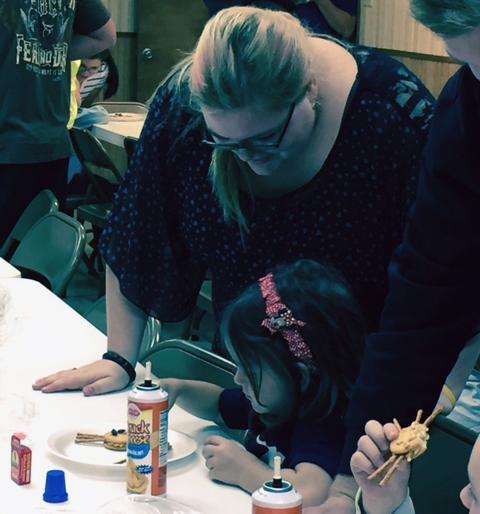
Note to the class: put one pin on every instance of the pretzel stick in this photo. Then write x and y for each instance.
(89, 437)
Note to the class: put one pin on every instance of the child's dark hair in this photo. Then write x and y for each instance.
(334, 332)
(113, 77)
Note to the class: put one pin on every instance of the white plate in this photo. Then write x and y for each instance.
(62, 445)
(126, 116)
(140, 504)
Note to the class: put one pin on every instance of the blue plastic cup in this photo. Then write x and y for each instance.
(55, 488)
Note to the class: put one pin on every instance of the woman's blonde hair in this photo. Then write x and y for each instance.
(245, 57)
(447, 18)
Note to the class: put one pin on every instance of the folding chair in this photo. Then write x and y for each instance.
(51, 251)
(101, 170)
(130, 144)
(104, 178)
(203, 319)
(44, 203)
(440, 473)
(96, 314)
(176, 358)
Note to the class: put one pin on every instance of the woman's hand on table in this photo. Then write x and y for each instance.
(102, 376)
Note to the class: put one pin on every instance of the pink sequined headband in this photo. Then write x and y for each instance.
(280, 319)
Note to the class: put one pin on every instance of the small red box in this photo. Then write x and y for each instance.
(21, 460)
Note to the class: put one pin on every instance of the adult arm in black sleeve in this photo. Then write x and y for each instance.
(433, 307)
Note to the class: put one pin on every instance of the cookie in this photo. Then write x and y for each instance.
(116, 440)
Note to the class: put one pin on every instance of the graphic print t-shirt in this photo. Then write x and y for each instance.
(35, 38)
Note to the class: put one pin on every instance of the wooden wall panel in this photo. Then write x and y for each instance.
(125, 55)
(388, 24)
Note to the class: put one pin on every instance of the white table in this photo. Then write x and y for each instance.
(7, 270)
(114, 132)
(41, 334)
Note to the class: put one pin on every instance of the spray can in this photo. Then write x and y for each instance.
(147, 445)
(276, 496)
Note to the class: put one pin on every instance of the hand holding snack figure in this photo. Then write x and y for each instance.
(373, 451)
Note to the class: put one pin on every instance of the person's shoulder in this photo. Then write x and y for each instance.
(459, 87)
(380, 72)
(90, 15)
(390, 81)
(455, 122)
(171, 96)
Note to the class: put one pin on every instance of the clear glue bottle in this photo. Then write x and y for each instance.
(147, 446)
(276, 496)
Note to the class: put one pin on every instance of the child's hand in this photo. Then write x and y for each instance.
(333, 505)
(373, 450)
(225, 459)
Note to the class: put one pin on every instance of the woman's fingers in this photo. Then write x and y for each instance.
(45, 381)
(96, 378)
(68, 379)
(104, 385)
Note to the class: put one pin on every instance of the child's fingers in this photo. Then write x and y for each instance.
(215, 440)
(360, 463)
(209, 463)
(376, 432)
(208, 451)
(369, 448)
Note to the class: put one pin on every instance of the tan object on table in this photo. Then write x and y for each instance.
(115, 440)
(410, 444)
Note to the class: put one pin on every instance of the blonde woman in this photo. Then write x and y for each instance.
(265, 146)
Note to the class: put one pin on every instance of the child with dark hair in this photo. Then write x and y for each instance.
(296, 337)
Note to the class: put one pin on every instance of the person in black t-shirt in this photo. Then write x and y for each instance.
(37, 42)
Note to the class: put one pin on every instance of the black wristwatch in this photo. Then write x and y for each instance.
(122, 362)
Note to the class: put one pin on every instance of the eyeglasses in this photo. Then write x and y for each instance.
(249, 143)
(89, 69)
